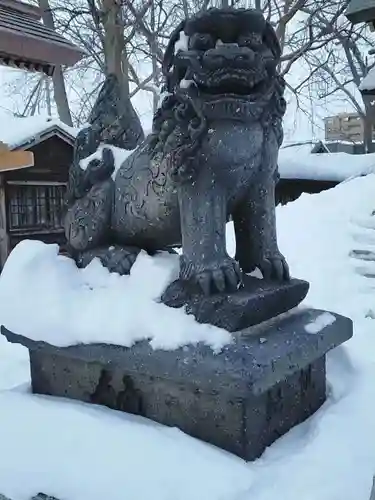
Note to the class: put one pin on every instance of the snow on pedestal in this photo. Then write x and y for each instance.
(49, 298)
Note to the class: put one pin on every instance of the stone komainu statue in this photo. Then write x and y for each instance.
(212, 154)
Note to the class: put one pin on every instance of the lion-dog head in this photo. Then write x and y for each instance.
(217, 54)
(223, 51)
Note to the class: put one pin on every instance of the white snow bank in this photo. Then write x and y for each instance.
(78, 452)
(324, 166)
(119, 155)
(368, 83)
(16, 131)
(65, 305)
(317, 249)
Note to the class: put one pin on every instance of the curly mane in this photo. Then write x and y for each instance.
(180, 125)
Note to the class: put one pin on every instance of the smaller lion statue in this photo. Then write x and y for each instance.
(211, 156)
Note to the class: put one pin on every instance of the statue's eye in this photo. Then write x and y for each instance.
(250, 40)
(201, 41)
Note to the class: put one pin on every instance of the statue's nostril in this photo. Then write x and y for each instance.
(241, 58)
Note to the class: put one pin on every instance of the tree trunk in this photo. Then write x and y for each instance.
(116, 57)
(59, 90)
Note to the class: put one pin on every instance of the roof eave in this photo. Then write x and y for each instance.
(360, 11)
(31, 48)
(43, 136)
(24, 8)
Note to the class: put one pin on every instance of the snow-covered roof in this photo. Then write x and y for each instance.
(19, 132)
(297, 147)
(368, 83)
(338, 167)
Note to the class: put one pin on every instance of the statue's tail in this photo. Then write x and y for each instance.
(114, 117)
(86, 143)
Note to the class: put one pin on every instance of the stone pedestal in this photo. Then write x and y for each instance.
(270, 379)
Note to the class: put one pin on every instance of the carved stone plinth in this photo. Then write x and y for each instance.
(270, 379)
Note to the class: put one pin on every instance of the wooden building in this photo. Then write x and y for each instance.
(27, 44)
(33, 168)
(31, 197)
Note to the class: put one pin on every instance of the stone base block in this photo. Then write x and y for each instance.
(271, 378)
(257, 301)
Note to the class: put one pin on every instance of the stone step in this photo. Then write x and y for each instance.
(367, 255)
(366, 236)
(366, 272)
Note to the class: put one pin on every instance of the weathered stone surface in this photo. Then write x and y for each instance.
(258, 301)
(271, 378)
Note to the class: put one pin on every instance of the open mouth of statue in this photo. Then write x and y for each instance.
(232, 83)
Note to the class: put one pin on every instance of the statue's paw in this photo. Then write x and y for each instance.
(273, 267)
(99, 170)
(221, 276)
(120, 259)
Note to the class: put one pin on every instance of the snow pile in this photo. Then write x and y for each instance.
(65, 305)
(329, 457)
(325, 319)
(323, 166)
(120, 155)
(108, 455)
(322, 238)
(17, 131)
(182, 43)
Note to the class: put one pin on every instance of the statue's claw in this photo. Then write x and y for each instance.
(115, 258)
(219, 277)
(273, 268)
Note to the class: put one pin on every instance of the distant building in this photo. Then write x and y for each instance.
(344, 127)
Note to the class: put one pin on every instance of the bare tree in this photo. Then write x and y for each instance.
(60, 96)
(338, 70)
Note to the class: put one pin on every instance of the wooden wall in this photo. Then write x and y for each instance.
(52, 159)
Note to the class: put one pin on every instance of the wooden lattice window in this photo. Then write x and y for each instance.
(35, 207)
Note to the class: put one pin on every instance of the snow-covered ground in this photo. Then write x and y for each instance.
(81, 452)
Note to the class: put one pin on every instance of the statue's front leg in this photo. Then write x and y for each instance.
(88, 220)
(255, 229)
(203, 212)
